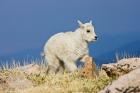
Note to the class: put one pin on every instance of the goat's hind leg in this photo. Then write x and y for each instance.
(53, 64)
(61, 67)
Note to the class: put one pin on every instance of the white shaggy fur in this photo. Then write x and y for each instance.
(62, 50)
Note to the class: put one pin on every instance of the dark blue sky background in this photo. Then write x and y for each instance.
(27, 24)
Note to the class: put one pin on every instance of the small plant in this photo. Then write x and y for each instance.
(37, 79)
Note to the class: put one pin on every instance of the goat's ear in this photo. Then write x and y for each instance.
(80, 24)
(90, 22)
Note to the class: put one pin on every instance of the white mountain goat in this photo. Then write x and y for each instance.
(62, 50)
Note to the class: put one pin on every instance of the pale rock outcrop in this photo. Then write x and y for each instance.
(129, 83)
(31, 69)
(11, 80)
(122, 67)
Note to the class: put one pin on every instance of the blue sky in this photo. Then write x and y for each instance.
(27, 24)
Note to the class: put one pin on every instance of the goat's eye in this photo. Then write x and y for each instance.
(88, 31)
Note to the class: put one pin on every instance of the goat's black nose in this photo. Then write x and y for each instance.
(96, 37)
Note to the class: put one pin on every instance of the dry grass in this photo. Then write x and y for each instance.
(67, 83)
(42, 83)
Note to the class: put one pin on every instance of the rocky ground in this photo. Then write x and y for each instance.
(120, 77)
(127, 74)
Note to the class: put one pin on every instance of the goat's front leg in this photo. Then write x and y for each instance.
(71, 66)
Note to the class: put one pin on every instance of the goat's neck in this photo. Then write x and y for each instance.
(79, 32)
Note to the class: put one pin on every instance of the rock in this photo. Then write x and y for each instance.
(122, 67)
(13, 80)
(89, 69)
(129, 83)
(31, 69)
(19, 83)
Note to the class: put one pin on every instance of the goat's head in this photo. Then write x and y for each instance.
(88, 33)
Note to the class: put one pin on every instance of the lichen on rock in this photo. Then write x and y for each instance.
(129, 83)
(122, 67)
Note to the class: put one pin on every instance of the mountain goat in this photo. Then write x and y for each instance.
(62, 50)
